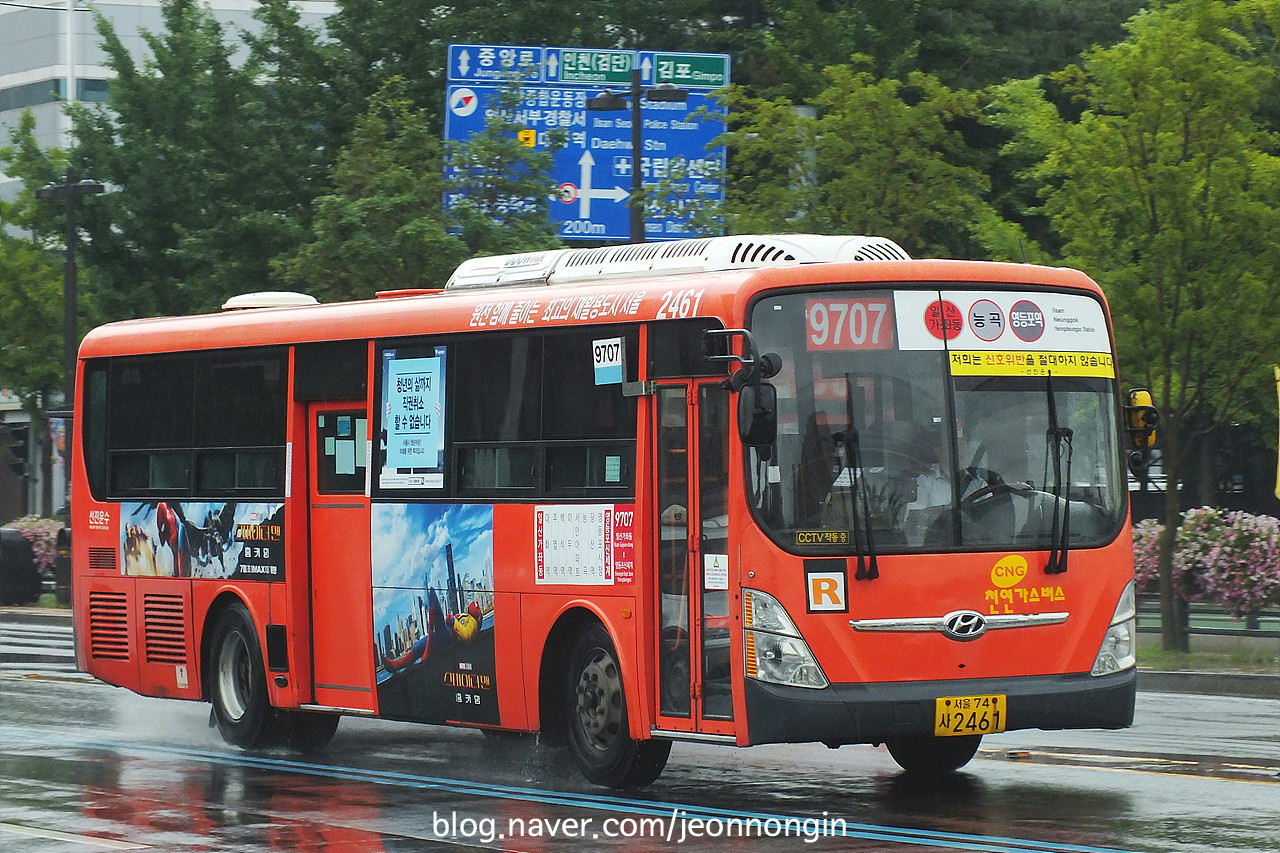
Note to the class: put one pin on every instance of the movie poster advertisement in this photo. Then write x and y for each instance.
(203, 539)
(433, 612)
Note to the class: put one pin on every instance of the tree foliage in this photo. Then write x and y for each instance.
(380, 227)
(871, 156)
(202, 165)
(1165, 188)
(31, 274)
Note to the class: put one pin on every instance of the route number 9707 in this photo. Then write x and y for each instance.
(849, 324)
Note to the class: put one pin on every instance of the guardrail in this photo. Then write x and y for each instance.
(1210, 620)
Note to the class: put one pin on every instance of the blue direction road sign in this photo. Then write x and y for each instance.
(481, 63)
(594, 170)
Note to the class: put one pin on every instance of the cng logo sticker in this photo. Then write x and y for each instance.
(1009, 571)
(825, 581)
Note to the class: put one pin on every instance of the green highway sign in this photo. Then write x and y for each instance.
(586, 65)
(700, 70)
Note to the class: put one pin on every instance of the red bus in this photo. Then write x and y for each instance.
(738, 490)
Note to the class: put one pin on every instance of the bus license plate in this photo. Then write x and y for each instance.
(969, 715)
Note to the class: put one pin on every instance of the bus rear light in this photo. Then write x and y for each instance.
(773, 648)
(1119, 646)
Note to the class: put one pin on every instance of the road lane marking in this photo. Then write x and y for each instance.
(54, 835)
(593, 801)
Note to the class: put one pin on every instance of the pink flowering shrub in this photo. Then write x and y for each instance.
(1228, 558)
(1244, 576)
(1198, 545)
(1146, 554)
(42, 533)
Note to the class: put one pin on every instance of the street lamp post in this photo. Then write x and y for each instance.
(69, 192)
(609, 102)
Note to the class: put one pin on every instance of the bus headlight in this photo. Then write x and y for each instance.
(774, 649)
(1119, 646)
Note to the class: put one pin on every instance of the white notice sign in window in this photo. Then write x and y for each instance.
(591, 545)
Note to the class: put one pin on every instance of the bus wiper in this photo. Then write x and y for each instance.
(1057, 438)
(867, 568)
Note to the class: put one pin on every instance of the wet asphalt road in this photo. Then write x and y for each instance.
(86, 767)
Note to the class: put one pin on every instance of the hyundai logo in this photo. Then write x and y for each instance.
(964, 625)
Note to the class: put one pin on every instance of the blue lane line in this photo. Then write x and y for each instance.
(596, 802)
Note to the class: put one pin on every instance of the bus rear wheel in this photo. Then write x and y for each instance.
(599, 736)
(238, 686)
(929, 754)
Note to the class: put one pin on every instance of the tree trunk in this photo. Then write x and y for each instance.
(1173, 633)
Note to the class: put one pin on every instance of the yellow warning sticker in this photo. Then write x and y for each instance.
(1027, 363)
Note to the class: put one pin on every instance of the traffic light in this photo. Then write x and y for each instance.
(16, 439)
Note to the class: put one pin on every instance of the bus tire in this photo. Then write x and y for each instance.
(238, 682)
(599, 737)
(929, 754)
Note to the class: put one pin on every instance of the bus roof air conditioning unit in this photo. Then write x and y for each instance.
(268, 299)
(707, 254)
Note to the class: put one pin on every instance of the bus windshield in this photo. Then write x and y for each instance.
(938, 420)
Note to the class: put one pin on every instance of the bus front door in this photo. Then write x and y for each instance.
(692, 456)
(341, 588)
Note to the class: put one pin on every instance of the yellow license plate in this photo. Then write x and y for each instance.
(969, 715)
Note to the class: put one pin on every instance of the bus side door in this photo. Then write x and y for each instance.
(341, 585)
(694, 582)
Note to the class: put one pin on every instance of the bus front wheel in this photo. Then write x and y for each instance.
(599, 737)
(929, 754)
(238, 686)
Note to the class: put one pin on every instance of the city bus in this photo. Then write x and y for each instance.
(733, 490)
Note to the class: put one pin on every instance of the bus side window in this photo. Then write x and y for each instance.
(341, 439)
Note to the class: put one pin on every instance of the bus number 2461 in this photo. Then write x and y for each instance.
(679, 303)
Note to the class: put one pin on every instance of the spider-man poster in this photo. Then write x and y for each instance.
(433, 612)
(196, 539)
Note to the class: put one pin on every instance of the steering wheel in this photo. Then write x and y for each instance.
(992, 484)
(994, 488)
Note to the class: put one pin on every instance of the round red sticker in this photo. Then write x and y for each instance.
(943, 319)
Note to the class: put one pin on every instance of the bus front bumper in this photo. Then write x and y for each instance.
(873, 713)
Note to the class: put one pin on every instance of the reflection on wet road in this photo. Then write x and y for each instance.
(85, 767)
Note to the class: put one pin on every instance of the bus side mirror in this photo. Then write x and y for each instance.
(1140, 418)
(758, 414)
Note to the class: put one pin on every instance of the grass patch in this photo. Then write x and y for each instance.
(1261, 660)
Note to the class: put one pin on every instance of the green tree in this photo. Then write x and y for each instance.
(976, 43)
(31, 289)
(1167, 190)
(381, 227)
(871, 156)
(205, 182)
(31, 273)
